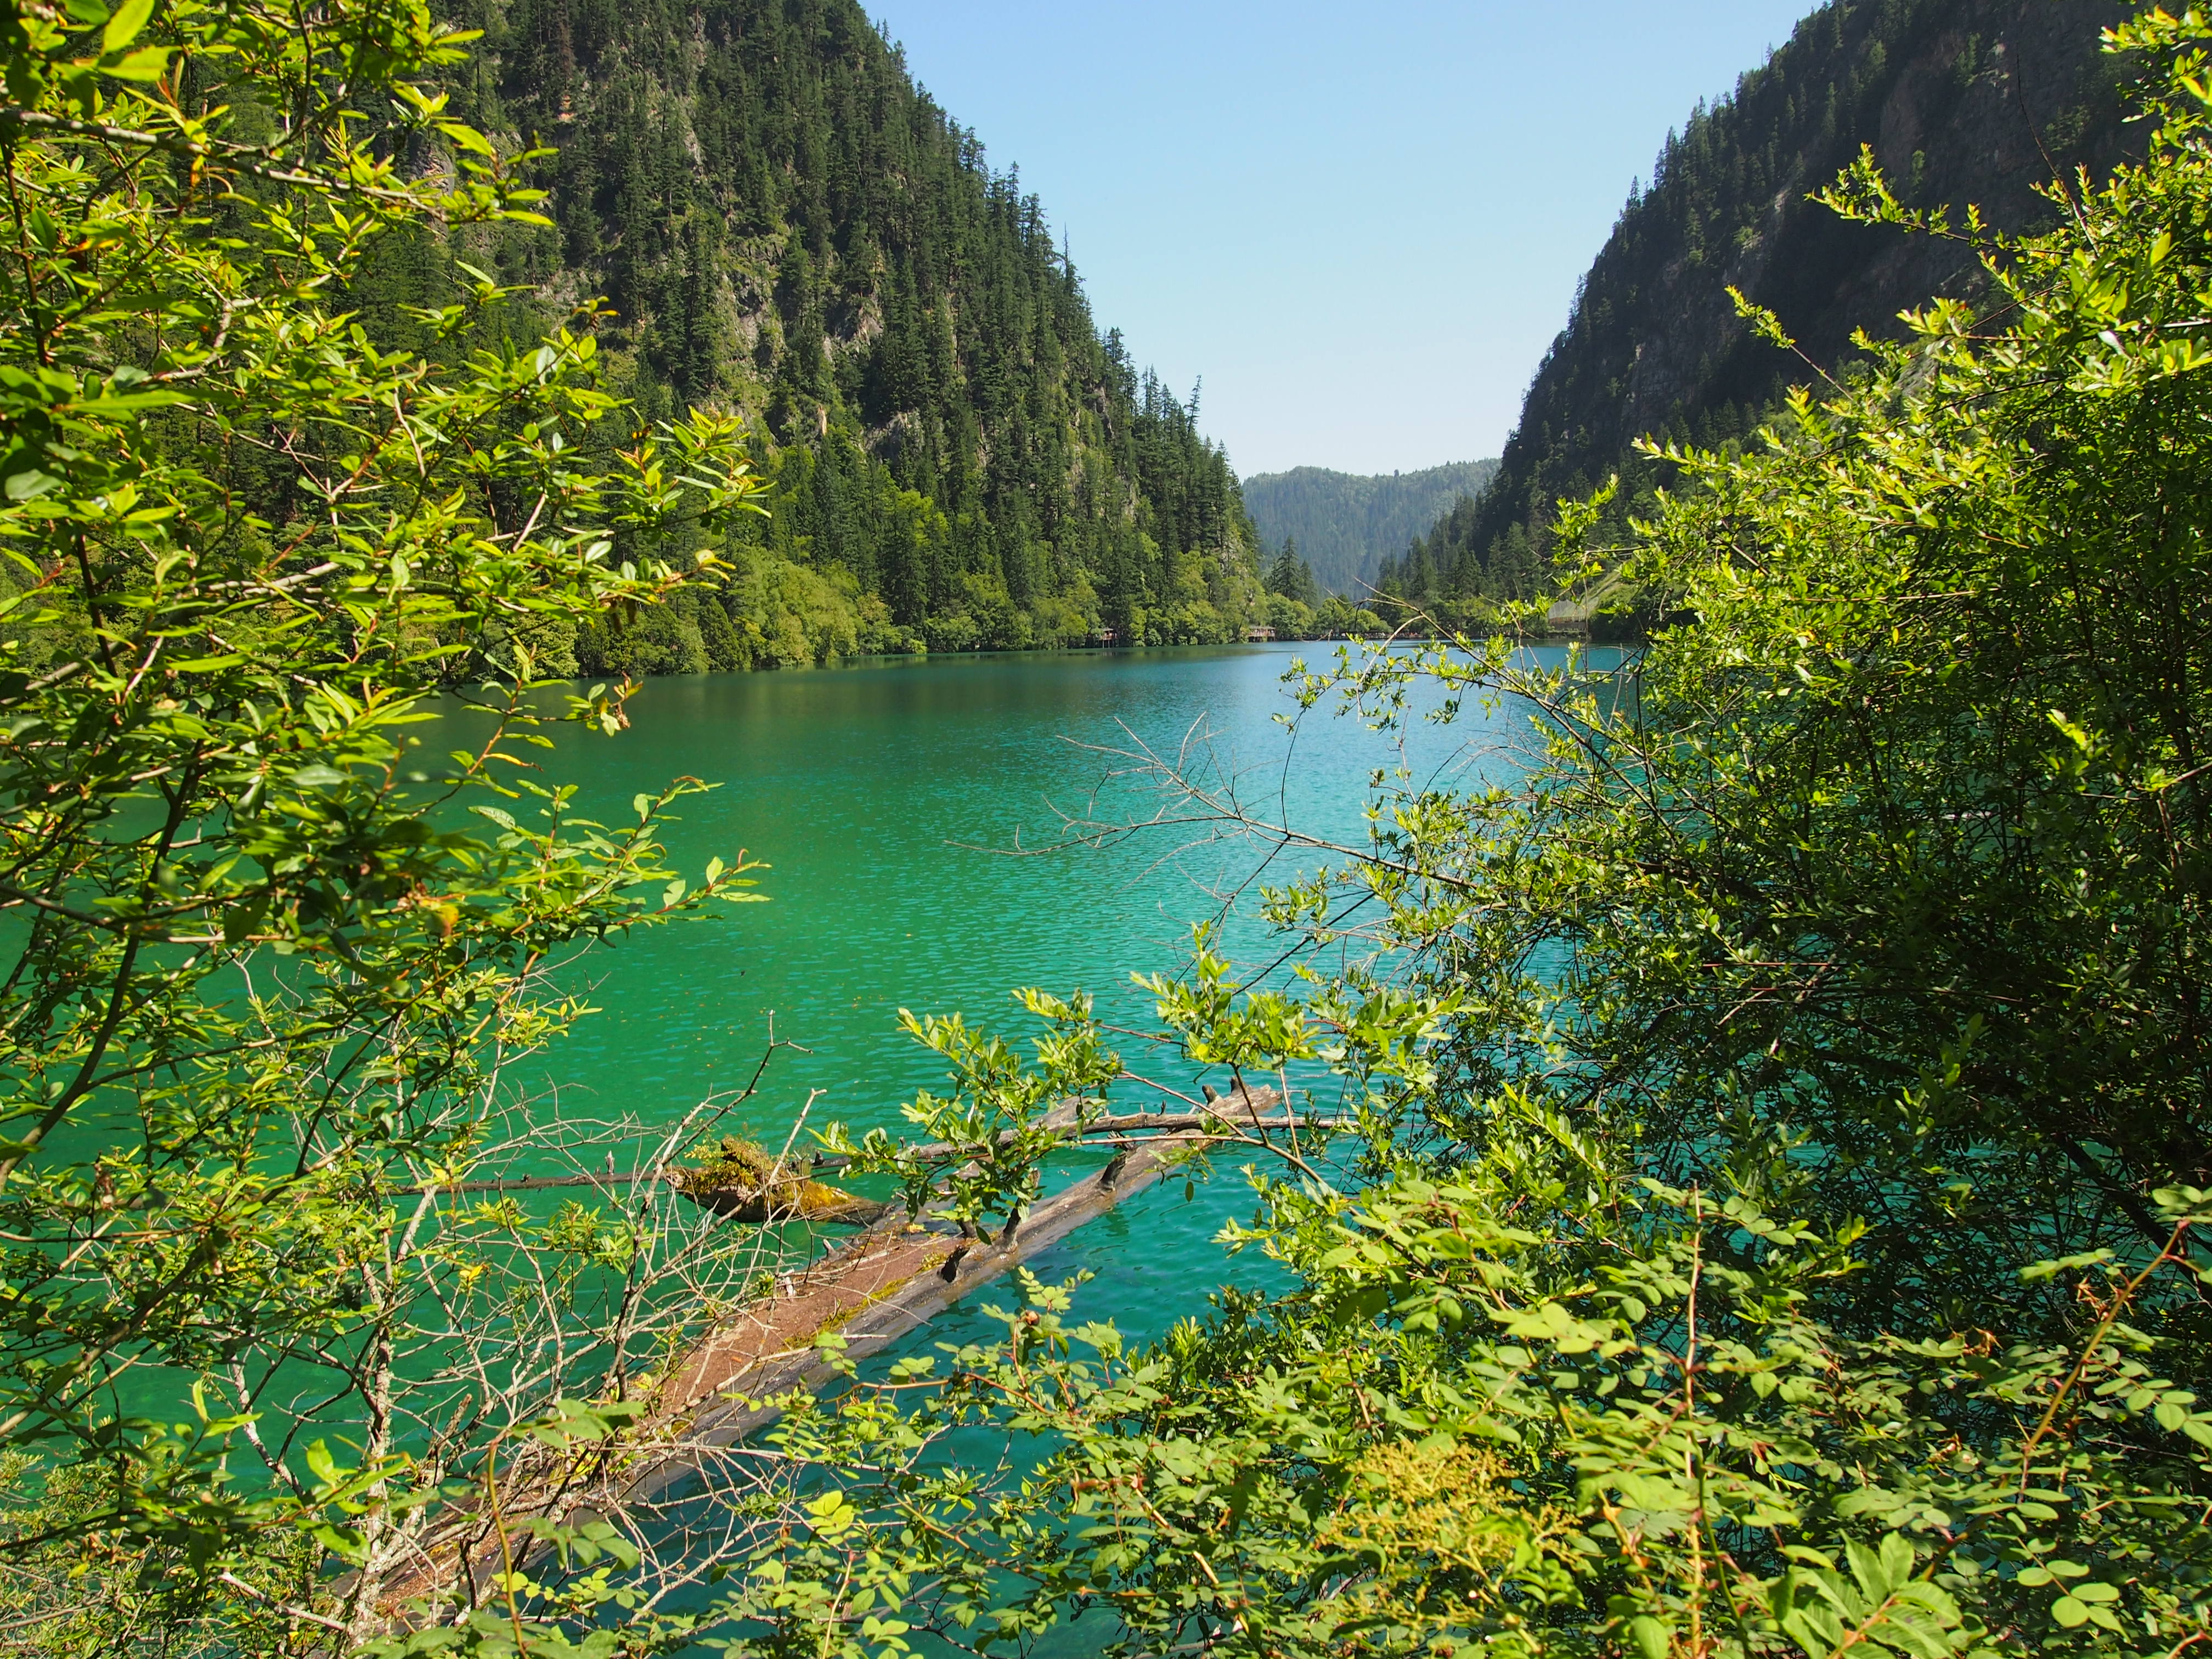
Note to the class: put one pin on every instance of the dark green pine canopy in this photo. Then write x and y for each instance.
(782, 223)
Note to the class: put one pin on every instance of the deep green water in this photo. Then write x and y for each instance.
(871, 790)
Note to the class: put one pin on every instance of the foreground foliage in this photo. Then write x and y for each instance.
(1773, 1223)
(1776, 1221)
(270, 961)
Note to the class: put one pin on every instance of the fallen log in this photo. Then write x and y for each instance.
(727, 1389)
(1118, 1126)
(881, 1285)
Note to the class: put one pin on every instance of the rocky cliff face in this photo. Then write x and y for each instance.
(1962, 101)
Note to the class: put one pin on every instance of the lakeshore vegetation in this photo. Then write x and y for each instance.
(1771, 1218)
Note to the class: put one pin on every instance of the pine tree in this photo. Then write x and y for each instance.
(781, 223)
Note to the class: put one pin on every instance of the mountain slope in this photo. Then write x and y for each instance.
(784, 223)
(1963, 101)
(1344, 525)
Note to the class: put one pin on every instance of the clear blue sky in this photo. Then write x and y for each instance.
(1362, 224)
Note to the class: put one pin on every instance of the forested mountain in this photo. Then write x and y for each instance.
(1963, 101)
(1344, 525)
(784, 224)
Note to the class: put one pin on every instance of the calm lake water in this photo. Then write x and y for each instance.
(875, 791)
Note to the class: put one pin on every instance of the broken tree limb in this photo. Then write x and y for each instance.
(877, 1288)
(1118, 1126)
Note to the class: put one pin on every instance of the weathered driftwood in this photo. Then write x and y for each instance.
(891, 1280)
(718, 1404)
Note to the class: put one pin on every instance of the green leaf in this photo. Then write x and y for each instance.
(2076, 734)
(147, 63)
(2069, 1612)
(1902, 1631)
(467, 138)
(1649, 1637)
(124, 26)
(1887, 1572)
(128, 403)
(1815, 1629)
(2043, 1270)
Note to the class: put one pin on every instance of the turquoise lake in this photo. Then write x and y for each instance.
(876, 791)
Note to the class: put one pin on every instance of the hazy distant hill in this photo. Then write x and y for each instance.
(1345, 526)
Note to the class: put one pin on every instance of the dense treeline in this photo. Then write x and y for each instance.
(784, 224)
(1344, 525)
(1298, 608)
(1962, 103)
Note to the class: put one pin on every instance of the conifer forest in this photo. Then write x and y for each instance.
(777, 221)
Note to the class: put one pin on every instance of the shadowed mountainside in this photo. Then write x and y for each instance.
(1344, 525)
(1962, 102)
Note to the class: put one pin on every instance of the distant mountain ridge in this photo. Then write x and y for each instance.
(1962, 101)
(1346, 524)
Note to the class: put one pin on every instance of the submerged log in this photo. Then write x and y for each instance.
(895, 1276)
(797, 1201)
(898, 1275)
(744, 1182)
